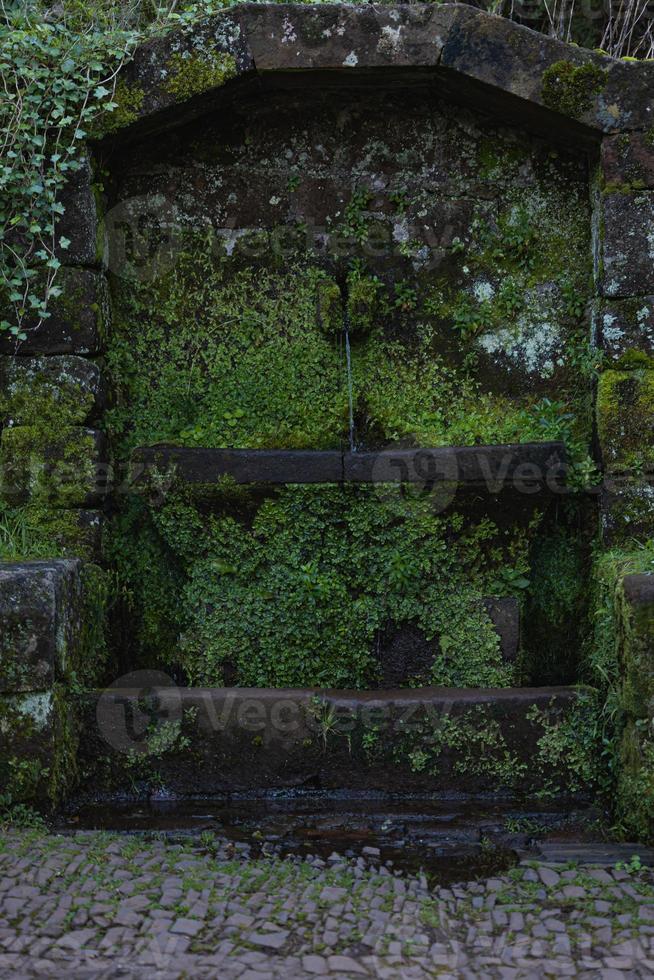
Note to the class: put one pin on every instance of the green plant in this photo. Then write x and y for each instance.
(56, 83)
(633, 867)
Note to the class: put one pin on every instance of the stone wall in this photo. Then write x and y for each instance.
(438, 182)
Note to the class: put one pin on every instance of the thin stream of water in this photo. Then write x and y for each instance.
(350, 396)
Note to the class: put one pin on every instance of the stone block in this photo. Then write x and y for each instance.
(78, 320)
(183, 70)
(530, 69)
(242, 739)
(526, 468)
(65, 468)
(79, 223)
(625, 420)
(41, 617)
(65, 389)
(207, 466)
(627, 162)
(343, 39)
(38, 744)
(627, 510)
(627, 247)
(626, 331)
(637, 645)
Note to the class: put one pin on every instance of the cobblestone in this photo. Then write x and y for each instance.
(96, 905)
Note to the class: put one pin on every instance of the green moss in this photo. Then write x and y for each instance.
(625, 419)
(555, 616)
(634, 812)
(329, 307)
(47, 467)
(633, 360)
(192, 74)
(33, 394)
(36, 531)
(227, 355)
(364, 302)
(129, 101)
(149, 583)
(570, 89)
(26, 724)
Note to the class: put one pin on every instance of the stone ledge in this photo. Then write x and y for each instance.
(449, 43)
(527, 468)
(257, 739)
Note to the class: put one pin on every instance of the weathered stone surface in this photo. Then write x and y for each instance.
(602, 94)
(344, 38)
(30, 727)
(186, 68)
(68, 469)
(40, 612)
(486, 54)
(78, 319)
(627, 251)
(627, 162)
(625, 420)
(526, 468)
(505, 613)
(626, 331)
(79, 223)
(627, 510)
(637, 646)
(241, 739)
(207, 466)
(70, 388)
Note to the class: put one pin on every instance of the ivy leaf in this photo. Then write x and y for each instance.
(64, 242)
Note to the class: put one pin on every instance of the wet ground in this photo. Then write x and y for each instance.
(447, 840)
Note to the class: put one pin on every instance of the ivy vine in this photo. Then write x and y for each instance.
(58, 69)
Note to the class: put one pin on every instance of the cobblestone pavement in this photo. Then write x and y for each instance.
(98, 905)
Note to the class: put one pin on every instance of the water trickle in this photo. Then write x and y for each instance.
(348, 362)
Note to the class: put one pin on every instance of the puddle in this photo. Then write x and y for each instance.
(446, 841)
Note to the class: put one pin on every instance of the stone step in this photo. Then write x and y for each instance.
(473, 743)
(526, 467)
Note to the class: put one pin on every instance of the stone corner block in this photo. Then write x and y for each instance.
(625, 420)
(627, 244)
(40, 622)
(79, 223)
(68, 468)
(78, 322)
(627, 162)
(626, 331)
(627, 510)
